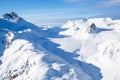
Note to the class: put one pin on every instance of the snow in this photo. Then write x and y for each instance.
(32, 56)
(100, 47)
(108, 59)
(79, 50)
(57, 66)
(26, 30)
(22, 58)
(65, 43)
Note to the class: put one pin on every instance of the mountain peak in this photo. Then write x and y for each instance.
(92, 28)
(11, 16)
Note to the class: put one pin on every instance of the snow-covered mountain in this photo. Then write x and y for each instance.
(27, 52)
(97, 41)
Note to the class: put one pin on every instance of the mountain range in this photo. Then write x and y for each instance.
(78, 50)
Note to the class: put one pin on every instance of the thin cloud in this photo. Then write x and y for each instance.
(110, 3)
(104, 3)
(73, 1)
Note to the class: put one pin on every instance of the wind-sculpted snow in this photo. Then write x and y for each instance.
(31, 55)
(96, 41)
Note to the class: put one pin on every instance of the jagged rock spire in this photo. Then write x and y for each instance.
(91, 28)
(11, 15)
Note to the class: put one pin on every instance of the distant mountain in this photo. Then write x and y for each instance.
(27, 53)
(97, 41)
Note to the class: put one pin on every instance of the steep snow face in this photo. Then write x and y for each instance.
(107, 57)
(28, 54)
(97, 41)
(21, 61)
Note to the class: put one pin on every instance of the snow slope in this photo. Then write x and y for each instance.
(28, 54)
(97, 41)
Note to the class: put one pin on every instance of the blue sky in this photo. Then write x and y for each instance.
(59, 11)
